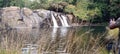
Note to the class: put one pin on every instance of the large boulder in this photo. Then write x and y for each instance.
(10, 16)
(15, 17)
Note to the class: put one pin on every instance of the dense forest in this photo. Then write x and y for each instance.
(99, 10)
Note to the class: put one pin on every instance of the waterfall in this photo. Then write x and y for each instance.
(54, 20)
(64, 18)
(61, 20)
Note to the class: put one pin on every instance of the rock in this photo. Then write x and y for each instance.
(27, 12)
(43, 13)
(25, 17)
(10, 16)
(15, 17)
(70, 16)
(2, 26)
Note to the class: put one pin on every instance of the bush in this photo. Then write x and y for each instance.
(69, 9)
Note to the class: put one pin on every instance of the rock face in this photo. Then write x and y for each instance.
(10, 16)
(15, 17)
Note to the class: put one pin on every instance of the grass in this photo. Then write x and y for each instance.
(12, 42)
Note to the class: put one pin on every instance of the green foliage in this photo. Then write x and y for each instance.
(4, 3)
(83, 9)
(34, 5)
(7, 3)
(44, 4)
(109, 8)
(114, 8)
(69, 1)
(70, 8)
(1, 3)
(19, 3)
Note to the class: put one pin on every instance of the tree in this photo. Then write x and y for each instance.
(1, 3)
(19, 3)
(109, 8)
(7, 3)
(70, 8)
(83, 9)
(114, 8)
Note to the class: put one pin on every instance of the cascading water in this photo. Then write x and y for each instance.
(63, 30)
(54, 20)
(64, 20)
(61, 20)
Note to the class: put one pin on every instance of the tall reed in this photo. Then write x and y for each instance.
(12, 42)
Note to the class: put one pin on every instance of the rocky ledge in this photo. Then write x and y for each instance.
(15, 17)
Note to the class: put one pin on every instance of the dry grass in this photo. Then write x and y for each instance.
(12, 42)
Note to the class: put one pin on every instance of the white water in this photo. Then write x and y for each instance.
(54, 21)
(54, 33)
(61, 20)
(65, 20)
(63, 31)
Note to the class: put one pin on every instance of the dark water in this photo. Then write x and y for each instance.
(31, 37)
